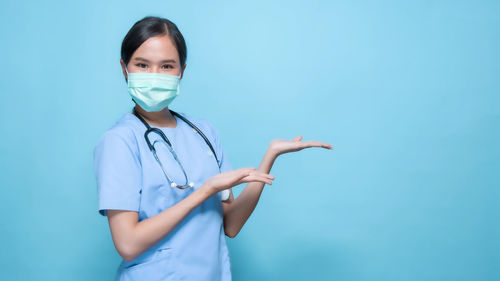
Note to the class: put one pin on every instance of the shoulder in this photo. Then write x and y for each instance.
(122, 132)
(205, 125)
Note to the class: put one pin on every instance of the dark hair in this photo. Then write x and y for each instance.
(149, 27)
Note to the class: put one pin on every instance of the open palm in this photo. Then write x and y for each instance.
(280, 146)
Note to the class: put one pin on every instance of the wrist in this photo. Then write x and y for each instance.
(207, 190)
(271, 153)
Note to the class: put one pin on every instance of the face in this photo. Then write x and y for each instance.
(157, 54)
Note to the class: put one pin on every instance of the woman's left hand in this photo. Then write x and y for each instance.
(281, 146)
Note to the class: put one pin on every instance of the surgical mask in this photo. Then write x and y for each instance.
(153, 91)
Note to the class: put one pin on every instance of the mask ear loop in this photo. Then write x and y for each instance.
(126, 70)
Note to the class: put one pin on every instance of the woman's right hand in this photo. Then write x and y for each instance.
(232, 178)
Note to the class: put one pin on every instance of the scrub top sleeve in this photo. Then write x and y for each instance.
(118, 173)
(224, 163)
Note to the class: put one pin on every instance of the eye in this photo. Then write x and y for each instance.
(141, 65)
(167, 66)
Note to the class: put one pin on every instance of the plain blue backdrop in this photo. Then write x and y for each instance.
(407, 91)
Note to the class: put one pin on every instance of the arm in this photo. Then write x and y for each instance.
(237, 211)
(131, 237)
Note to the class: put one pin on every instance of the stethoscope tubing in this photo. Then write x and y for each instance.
(149, 130)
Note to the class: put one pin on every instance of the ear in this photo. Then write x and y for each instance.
(182, 70)
(122, 63)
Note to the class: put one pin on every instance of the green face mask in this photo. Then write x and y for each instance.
(153, 91)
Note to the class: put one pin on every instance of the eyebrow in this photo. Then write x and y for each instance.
(163, 61)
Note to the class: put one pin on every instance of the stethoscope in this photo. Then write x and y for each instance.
(149, 129)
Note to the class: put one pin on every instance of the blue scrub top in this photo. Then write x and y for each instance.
(129, 178)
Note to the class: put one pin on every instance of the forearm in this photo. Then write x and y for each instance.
(238, 212)
(148, 232)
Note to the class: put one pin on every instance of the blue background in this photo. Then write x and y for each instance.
(407, 91)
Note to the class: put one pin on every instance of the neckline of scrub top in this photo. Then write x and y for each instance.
(179, 121)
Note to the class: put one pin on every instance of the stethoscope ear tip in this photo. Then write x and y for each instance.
(173, 184)
(191, 184)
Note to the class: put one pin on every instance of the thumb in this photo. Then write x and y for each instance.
(297, 138)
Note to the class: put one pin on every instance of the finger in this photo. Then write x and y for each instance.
(262, 174)
(237, 175)
(244, 173)
(325, 145)
(297, 138)
(317, 144)
(253, 177)
(256, 179)
(245, 170)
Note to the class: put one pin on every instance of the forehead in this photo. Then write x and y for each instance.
(159, 47)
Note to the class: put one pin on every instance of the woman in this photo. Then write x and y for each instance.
(169, 208)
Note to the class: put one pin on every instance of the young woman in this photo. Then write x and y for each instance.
(162, 177)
